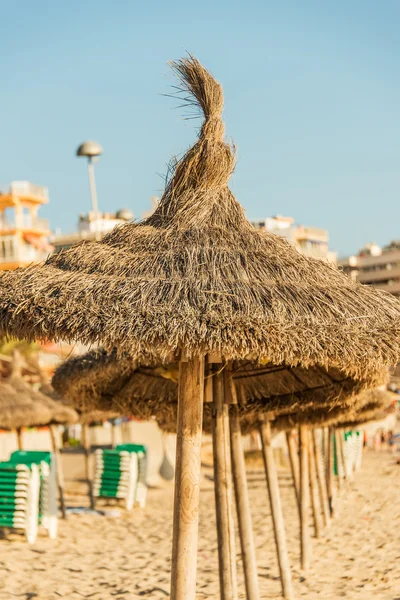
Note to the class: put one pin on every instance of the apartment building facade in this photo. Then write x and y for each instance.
(376, 266)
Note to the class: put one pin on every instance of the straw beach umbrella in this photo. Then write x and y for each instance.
(103, 379)
(21, 406)
(18, 410)
(59, 415)
(85, 417)
(195, 279)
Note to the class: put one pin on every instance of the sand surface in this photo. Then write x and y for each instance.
(128, 557)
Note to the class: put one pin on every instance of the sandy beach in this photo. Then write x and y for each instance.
(127, 557)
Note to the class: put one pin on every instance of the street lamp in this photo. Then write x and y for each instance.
(92, 150)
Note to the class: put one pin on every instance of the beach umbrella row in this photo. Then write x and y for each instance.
(77, 375)
(193, 282)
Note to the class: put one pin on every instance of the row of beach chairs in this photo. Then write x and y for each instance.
(28, 486)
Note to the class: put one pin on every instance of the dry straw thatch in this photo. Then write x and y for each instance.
(364, 408)
(60, 414)
(18, 410)
(106, 381)
(196, 276)
(83, 417)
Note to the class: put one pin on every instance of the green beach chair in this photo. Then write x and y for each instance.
(121, 473)
(141, 486)
(19, 498)
(46, 463)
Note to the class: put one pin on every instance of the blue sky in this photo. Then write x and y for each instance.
(312, 100)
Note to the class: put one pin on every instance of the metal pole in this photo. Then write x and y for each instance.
(93, 196)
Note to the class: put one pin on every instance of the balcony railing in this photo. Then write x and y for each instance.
(24, 255)
(25, 189)
(26, 222)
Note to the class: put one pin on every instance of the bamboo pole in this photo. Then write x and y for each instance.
(59, 471)
(187, 479)
(19, 438)
(86, 449)
(323, 492)
(294, 464)
(329, 470)
(223, 491)
(242, 496)
(305, 542)
(276, 509)
(315, 502)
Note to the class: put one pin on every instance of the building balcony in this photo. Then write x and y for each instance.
(393, 287)
(24, 256)
(26, 223)
(380, 275)
(26, 189)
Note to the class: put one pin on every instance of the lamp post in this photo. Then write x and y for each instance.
(92, 150)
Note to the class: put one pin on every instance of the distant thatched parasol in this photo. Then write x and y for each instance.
(18, 410)
(194, 279)
(363, 405)
(60, 414)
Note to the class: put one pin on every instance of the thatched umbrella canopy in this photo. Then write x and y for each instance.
(364, 405)
(19, 410)
(375, 408)
(60, 414)
(103, 379)
(106, 381)
(195, 278)
(83, 418)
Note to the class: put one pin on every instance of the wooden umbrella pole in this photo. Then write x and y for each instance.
(323, 492)
(341, 453)
(242, 498)
(305, 542)
(187, 479)
(337, 458)
(113, 434)
(276, 509)
(329, 470)
(316, 507)
(19, 438)
(59, 471)
(294, 464)
(223, 491)
(86, 448)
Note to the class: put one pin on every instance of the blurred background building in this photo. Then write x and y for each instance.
(90, 225)
(376, 266)
(24, 237)
(311, 241)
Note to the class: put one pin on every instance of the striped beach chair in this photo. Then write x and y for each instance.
(141, 486)
(44, 463)
(19, 498)
(121, 473)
